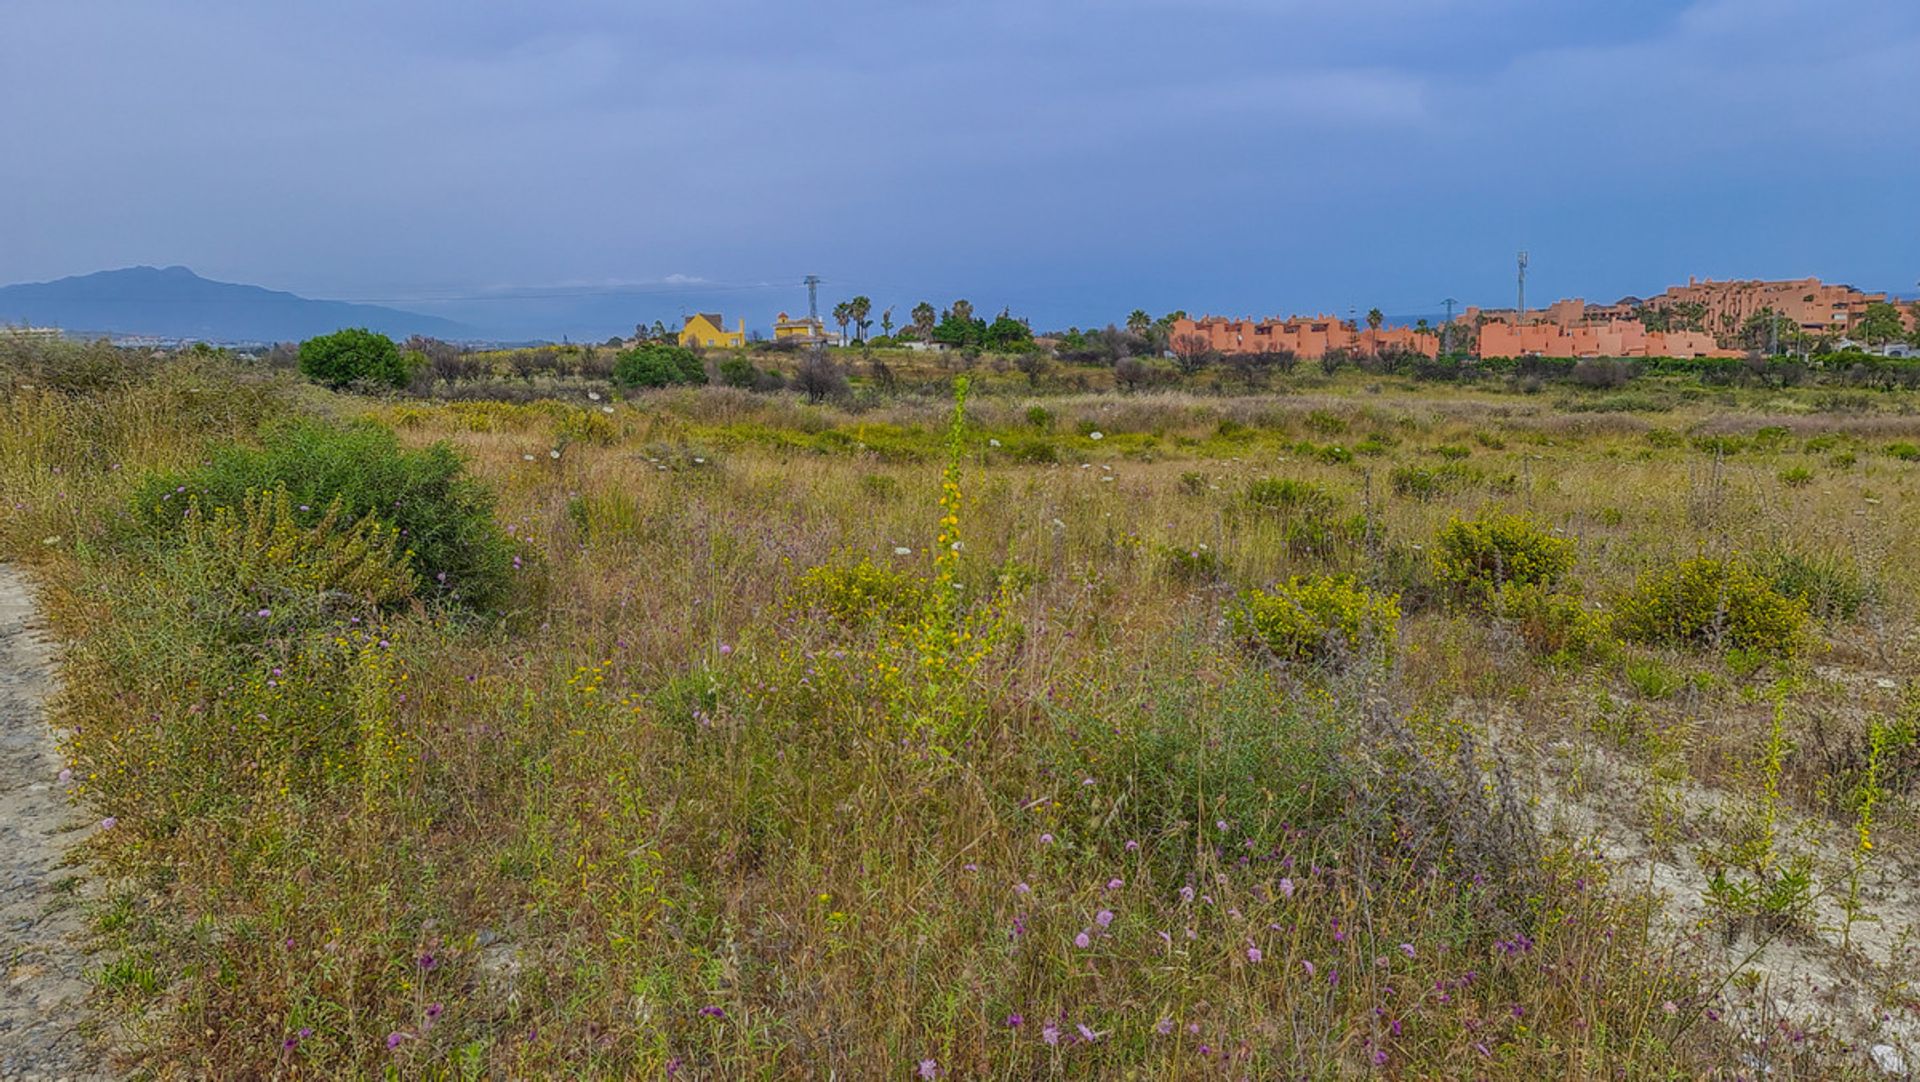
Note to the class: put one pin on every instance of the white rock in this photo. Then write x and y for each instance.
(1888, 1059)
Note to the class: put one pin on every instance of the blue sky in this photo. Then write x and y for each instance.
(1073, 159)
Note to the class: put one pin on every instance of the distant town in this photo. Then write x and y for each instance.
(1704, 318)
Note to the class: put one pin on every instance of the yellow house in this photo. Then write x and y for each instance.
(709, 329)
(806, 330)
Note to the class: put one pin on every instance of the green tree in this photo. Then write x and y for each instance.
(1007, 334)
(1139, 321)
(354, 355)
(1374, 319)
(886, 322)
(1880, 324)
(658, 364)
(843, 315)
(959, 329)
(924, 320)
(1765, 331)
(858, 308)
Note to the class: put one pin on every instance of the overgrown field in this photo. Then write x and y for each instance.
(1368, 731)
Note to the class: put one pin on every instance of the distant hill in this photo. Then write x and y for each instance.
(174, 302)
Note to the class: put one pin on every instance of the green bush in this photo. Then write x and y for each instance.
(1707, 602)
(1040, 417)
(1318, 618)
(1833, 587)
(444, 517)
(1289, 494)
(658, 364)
(1476, 557)
(1905, 452)
(734, 372)
(354, 355)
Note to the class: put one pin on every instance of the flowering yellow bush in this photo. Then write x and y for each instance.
(1318, 618)
(1477, 556)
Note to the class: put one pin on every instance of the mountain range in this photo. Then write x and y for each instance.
(175, 303)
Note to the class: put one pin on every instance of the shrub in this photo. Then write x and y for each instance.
(739, 372)
(1707, 602)
(1796, 476)
(1476, 557)
(1554, 624)
(1905, 452)
(444, 517)
(585, 426)
(1040, 417)
(1424, 483)
(354, 355)
(1832, 587)
(1318, 618)
(1196, 564)
(858, 593)
(1288, 494)
(1326, 424)
(658, 364)
(257, 568)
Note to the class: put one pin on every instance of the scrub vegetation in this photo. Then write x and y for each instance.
(1350, 726)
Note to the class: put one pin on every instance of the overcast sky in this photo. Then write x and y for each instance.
(1074, 159)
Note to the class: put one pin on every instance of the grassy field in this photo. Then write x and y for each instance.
(1358, 727)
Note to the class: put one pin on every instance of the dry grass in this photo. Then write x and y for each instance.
(660, 820)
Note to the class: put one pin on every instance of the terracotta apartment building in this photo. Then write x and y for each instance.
(1815, 306)
(1602, 338)
(1308, 338)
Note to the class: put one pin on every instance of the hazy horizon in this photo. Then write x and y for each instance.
(1071, 163)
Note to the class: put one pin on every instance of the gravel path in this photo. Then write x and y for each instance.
(42, 988)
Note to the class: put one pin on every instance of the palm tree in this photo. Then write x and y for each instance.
(886, 322)
(1374, 319)
(858, 308)
(923, 318)
(962, 311)
(843, 314)
(1139, 321)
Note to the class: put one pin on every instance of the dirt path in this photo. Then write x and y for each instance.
(42, 988)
